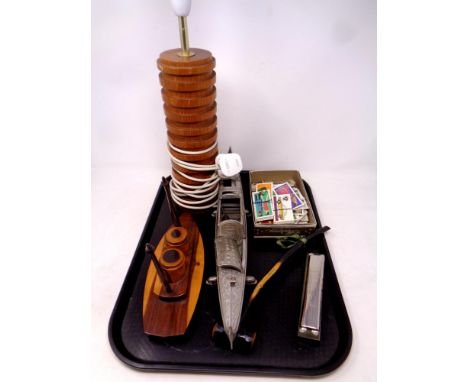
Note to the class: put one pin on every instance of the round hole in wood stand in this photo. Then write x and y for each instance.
(170, 62)
(176, 236)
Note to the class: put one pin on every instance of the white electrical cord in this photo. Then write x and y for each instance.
(202, 193)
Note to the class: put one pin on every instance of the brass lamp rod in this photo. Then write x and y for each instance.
(184, 39)
(182, 9)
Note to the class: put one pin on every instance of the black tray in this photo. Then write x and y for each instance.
(278, 351)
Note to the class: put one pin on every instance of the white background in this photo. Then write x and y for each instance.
(296, 89)
(296, 80)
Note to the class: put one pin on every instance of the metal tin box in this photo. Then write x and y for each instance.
(293, 177)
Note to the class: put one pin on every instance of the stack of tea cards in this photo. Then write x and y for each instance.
(279, 204)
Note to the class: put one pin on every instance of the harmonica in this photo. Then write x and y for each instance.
(309, 322)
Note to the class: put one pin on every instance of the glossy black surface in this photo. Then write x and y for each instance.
(277, 350)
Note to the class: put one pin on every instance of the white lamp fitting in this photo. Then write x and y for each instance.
(181, 7)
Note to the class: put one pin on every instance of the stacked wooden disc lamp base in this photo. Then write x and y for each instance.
(188, 78)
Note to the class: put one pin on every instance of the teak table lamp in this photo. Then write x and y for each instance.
(189, 93)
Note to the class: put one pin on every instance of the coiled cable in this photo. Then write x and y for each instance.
(195, 197)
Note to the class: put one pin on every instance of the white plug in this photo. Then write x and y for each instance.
(181, 7)
(229, 165)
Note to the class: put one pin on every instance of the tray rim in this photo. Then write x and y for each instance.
(229, 370)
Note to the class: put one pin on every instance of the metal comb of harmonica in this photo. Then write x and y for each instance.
(309, 322)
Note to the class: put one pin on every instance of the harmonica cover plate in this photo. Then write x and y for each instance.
(309, 323)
